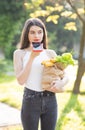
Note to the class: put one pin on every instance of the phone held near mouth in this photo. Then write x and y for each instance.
(37, 46)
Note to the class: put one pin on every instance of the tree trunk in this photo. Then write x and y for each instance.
(77, 83)
(81, 62)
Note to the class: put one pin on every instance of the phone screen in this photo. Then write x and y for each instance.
(37, 46)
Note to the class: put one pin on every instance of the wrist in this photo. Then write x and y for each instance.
(65, 80)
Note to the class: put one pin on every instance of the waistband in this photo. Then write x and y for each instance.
(40, 94)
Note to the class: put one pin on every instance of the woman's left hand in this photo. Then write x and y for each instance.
(57, 86)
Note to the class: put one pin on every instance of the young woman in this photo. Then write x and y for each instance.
(37, 103)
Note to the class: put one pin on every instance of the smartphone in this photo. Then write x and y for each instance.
(37, 46)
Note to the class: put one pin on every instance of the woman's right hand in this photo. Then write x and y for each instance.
(34, 54)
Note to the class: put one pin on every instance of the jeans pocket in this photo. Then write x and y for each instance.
(27, 96)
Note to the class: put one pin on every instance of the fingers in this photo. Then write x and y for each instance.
(53, 89)
(34, 54)
(52, 83)
(56, 86)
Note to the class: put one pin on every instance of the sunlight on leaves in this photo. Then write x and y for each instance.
(81, 11)
(59, 7)
(38, 1)
(33, 4)
(25, 3)
(73, 16)
(66, 13)
(28, 5)
(39, 13)
(50, 8)
(70, 26)
(53, 18)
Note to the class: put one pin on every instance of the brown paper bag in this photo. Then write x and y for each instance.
(50, 74)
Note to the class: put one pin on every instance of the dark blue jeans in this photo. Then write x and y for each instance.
(39, 105)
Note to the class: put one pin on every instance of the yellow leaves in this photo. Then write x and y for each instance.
(53, 18)
(39, 1)
(43, 13)
(81, 11)
(47, 12)
(50, 8)
(73, 16)
(27, 5)
(69, 14)
(66, 13)
(40, 13)
(33, 4)
(70, 26)
(59, 7)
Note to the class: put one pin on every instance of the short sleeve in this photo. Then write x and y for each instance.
(17, 60)
(51, 53)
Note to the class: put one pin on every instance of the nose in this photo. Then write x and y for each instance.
(36, 35)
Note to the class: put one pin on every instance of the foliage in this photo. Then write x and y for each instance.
(80, 12)
(50, 12)
(11, 20)
(5, 65)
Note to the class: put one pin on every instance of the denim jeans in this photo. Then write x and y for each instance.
(39, 105)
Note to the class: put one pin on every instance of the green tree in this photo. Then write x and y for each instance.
(10, 12)
(13, 14)
(80, 12)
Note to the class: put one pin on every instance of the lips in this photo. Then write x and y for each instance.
(36, 40)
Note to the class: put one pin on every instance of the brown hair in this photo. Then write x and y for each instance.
(24, 41)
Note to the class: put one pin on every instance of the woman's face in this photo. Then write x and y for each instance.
(35, 34)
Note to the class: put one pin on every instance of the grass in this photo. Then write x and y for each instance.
(71, 108)
(14, 127)
(10, 91)
(71, 112)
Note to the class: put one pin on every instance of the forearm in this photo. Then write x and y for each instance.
(24, 73)
(65, 80)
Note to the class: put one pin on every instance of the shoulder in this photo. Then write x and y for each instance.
(51, 52)
(18, 52)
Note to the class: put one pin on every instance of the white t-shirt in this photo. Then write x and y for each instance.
(34, 80)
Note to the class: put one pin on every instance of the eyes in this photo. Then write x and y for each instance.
(34, 32)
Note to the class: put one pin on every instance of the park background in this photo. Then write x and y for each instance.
(65, 23)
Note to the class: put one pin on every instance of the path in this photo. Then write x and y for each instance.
(9, 115)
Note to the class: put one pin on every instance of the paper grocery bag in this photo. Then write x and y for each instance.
(50, 74)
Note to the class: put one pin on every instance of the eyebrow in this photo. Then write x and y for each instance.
(34, 30)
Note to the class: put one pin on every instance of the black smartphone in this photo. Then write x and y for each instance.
(37, 46)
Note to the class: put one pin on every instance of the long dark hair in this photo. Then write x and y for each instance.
(24, 41)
